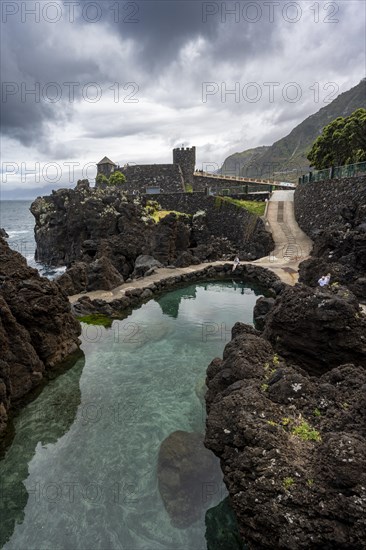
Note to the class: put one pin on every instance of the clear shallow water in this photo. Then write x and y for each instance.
(81, 471)
(18, 222)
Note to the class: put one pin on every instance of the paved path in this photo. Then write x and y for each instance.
(291, 242)
(292, 246)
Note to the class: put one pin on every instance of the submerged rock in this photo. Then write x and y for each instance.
(187, 476)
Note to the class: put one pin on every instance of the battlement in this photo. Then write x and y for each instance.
(186, 158)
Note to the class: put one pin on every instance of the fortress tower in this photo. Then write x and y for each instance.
(186, 158)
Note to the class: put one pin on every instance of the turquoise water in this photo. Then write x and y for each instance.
(81, 472)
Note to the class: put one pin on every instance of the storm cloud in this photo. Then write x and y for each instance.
(132, 79)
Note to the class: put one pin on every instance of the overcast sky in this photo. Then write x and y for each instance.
(131, 80)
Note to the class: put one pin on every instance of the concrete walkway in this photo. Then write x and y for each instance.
(292, 246)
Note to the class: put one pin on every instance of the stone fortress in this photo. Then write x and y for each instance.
(181, 176)
(156, 178)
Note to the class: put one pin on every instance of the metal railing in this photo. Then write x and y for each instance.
(335, 172)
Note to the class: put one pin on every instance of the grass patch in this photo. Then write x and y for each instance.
(287, 482)
(306, 432)
(253, 207)
(97, 319)
(161, 214)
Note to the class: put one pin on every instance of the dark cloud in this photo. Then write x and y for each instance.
(170, 51)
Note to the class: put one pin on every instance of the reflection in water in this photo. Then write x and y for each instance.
(222, 532)
(170, 304)
(82, 470)
(39, 424)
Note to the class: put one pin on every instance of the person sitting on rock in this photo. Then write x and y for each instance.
(236, 262)
(324, 280)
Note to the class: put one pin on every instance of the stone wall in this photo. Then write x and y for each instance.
(200, 183)
(168, 177)
(322, 204)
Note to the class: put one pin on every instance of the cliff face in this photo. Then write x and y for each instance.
(107, 231)
(37, 328)
(292, 445)
(286, 158)
(333, 214)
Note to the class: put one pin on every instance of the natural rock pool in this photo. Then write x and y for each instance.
(81, 472)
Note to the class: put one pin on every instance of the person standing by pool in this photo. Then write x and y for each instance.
(236, 263)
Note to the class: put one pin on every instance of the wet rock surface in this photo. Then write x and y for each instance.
(37, 328)
(289, 423)
(92, 224)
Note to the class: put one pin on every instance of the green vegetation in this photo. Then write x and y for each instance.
(117, 178)
(286, 160)
(310, 482)
(153, 211)
(317, 412)
(160, 214)
(188, 188)
(253, 207)
(306, 432)
(287, 482)
(97, 319)
(343, 141)
(264, 387)
(101, 179)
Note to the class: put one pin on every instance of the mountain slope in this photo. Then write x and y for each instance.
(286, 159)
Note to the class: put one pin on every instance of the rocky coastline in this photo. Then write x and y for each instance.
(100, 233)
(37, 330)
(286, 409)
(287, 416)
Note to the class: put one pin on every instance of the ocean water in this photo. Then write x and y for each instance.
(81, 472)
(18, 222)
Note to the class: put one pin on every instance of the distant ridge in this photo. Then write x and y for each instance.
(286, 158)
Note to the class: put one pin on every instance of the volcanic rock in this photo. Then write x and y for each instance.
(37, 328)
(292, 447)
(319, 329)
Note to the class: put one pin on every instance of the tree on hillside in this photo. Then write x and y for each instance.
(117, 178)
(343, 141)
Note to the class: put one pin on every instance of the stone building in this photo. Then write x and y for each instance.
(155, 178)
(106, 167)
(186, 159)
